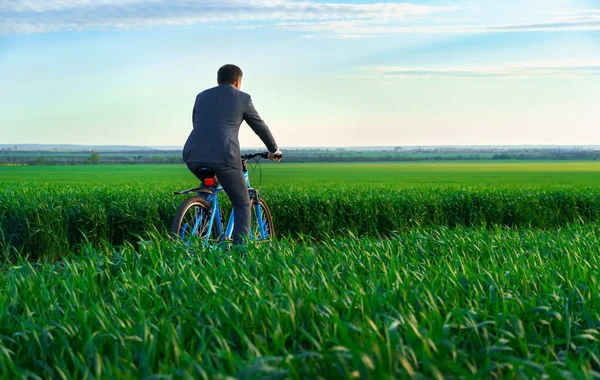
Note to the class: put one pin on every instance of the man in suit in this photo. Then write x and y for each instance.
(214, 144)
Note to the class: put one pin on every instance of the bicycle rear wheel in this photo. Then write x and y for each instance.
(261, 222)
(192, 220)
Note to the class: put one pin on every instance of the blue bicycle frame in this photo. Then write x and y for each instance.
(210, 194)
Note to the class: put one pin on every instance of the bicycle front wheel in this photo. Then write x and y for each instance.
(261, 222)
(192, 220)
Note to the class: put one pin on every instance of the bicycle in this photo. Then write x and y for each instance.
(201, 217)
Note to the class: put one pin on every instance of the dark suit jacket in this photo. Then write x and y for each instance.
(217, 116)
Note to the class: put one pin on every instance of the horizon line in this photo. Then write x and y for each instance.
(176, 147)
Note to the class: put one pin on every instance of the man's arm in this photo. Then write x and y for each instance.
(259, 127)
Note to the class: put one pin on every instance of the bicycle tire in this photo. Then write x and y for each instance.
(181, 223)
(267, 222)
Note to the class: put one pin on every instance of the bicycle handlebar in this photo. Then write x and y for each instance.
(264, 155)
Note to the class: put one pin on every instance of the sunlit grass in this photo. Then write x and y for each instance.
(428, 303)
(401, 174)
(380, 271)
(49, 219)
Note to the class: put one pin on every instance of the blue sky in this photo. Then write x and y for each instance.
(321, 73)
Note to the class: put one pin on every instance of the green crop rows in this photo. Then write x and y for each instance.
(47, 220)
(380, 271)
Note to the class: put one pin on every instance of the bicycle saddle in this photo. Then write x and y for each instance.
(207, 177)
(206, 173)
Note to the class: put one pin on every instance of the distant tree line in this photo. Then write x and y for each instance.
(93, 159)
(305, 155)
(584, 155)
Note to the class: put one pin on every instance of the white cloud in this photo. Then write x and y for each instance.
(556, 69)
(279, 9)
(377, 28)
(580, 12)
(308, 17)
(61, 5)
(39, 16)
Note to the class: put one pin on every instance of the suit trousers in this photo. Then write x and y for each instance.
(233, 182)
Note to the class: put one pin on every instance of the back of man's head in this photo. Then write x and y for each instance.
(228, 74)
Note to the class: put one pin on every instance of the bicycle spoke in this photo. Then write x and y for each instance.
(194, 224)
(259, 230)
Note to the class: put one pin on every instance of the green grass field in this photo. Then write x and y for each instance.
(399, 270)
(402, 174)
(463, 303)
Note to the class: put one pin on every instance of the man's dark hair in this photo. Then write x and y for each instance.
(229, 74)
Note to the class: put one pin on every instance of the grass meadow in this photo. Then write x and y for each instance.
(396, 270)
(521, 173)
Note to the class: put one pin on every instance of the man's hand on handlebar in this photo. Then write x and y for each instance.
(276, 156)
